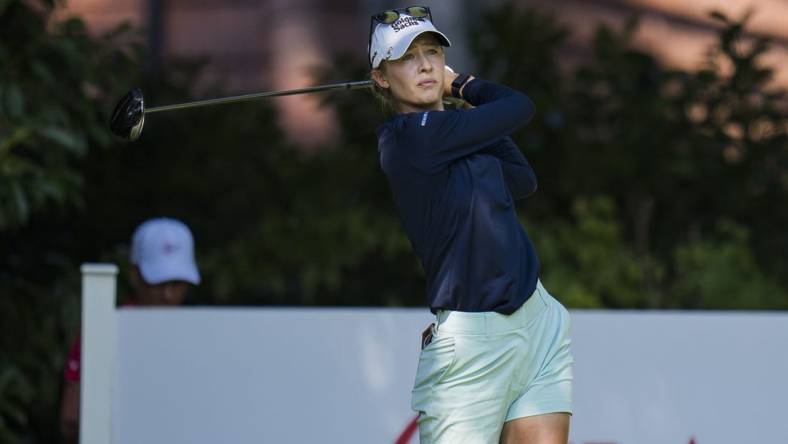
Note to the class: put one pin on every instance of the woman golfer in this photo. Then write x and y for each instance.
(495, 366)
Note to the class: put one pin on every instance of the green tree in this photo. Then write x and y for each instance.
(738, 143)
(671, 152)
(587, 261)
(719, 271)
(51, 83)
(53, 78)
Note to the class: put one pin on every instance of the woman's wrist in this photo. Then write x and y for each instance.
(458, 84)
(470, 79)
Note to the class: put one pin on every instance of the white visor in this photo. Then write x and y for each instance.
(390, 41)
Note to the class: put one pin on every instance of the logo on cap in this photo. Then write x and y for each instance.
(406, 21)
(169, 247)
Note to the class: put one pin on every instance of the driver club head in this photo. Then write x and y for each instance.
(129, 116)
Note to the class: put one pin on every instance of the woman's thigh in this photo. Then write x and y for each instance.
(550, 428)
(462, 388)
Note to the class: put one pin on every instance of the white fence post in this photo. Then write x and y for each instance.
(98, 353)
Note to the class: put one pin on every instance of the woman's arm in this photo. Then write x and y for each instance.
(437, 138)
(517, 172)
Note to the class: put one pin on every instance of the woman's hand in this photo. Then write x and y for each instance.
(448, 76)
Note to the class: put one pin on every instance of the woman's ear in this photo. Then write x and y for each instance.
(379, 78)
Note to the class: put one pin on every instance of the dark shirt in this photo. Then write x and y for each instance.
(455, 175)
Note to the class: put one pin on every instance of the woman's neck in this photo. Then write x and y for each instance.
(404, 108)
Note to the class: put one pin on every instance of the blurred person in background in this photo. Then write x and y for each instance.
(496, 365)
(162, 268)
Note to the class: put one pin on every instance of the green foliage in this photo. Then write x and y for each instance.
(38, 321)
(672, 152)
(720, 272)
(51, 74)
(53, 78)
(16, 393)
(587, 261)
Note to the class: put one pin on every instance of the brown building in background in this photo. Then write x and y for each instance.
(273, 44)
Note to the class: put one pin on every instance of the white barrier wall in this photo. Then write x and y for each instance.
(237, 376)
(98, 352)
(665, 377)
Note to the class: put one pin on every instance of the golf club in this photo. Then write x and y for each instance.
(129, 114)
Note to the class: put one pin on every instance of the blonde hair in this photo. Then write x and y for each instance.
(383, 95)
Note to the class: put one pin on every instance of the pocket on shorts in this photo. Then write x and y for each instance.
(434, 361)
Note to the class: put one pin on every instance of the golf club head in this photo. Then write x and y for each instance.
(129, 116)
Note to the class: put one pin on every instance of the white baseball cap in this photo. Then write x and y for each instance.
(389, 41)
(163, 249)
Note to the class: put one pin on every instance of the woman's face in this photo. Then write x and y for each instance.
(165, 293)
(415, 80)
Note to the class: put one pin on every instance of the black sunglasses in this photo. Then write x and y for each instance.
(390, 16)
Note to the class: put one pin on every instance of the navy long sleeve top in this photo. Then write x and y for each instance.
(455, 175)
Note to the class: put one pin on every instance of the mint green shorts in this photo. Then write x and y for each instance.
(483, 369)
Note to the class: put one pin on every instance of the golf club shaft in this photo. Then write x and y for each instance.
(246, 97)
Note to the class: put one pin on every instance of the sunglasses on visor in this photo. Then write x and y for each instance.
(390, 16)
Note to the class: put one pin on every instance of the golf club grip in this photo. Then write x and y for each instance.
(246, 97)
